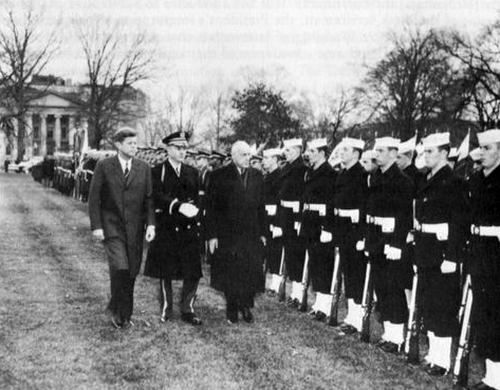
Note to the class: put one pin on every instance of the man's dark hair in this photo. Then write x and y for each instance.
(124, 132)
(324, 149)
(446, 148)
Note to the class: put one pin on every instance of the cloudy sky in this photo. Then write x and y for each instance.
(320, 44)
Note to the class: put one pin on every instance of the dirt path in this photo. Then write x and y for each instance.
(54, 333)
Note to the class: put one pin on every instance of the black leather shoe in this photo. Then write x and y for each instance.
(191, 318)
(434, 370)
(388, 346)
(166, 315)
(128, 324)
(481, 386)
(292, 302)
(247, 315)
(348, 329)
(116, 322)
(319, 316)
(232, 317)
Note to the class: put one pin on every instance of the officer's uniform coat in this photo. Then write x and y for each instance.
(484, 264)
(174, 253)
(292, 188)
(390, 196)
(351, 191)
(440, 200)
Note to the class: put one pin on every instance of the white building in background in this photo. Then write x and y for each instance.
(55, 112)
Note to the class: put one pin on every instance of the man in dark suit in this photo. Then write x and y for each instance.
(120, 205)
(175, 253)
(236, 230)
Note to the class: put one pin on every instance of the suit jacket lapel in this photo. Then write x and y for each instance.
(117, 168)
(132, 173)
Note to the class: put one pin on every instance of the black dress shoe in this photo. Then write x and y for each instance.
(247, 315)
(128, 324)
(116, 322)
(481, 386)
(191, 318)
(319, 316)
(166, 315)
(434, 370)
(388, 346)
(348, 329)
(293, 303)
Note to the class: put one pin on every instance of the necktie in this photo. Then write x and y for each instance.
(178, 171)
(125, 173)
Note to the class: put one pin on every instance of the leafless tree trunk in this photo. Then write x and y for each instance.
(24, 53)
(116, 61)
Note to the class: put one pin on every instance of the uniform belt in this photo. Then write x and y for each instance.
(441, 230)
(271, 209)
(289, 204)
(319, 207)
(485, 231)
(348, 213)
(386, 223)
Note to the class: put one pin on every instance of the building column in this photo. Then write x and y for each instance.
(30, 147)
(13, 150)
(43, 134)
(71, 131)
(57, 131)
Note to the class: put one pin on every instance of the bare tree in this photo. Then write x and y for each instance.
(414, 83)
(327, 115)
(116, 61)
(481, 57)
(24, 52)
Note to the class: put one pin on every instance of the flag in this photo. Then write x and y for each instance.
(463, 150)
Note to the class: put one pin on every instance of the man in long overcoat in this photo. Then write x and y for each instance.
(236, 230)
(175, 253)
(120, 206)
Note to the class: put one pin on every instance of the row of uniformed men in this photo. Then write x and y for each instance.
(399, 220)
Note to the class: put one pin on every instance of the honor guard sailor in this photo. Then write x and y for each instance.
(316, 225)
(351, 190)
(484, 263)
(441, 216)
(290, 194)
(272, 182)
(175, 253)
(388, 220)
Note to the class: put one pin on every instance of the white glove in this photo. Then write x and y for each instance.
(150, 233)
(98, 234)
(277, 231)
(448, 267)
(360, 245)
(189, 210)
(213, 244)
(410, 238)
(325, 237)
(393, 253)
